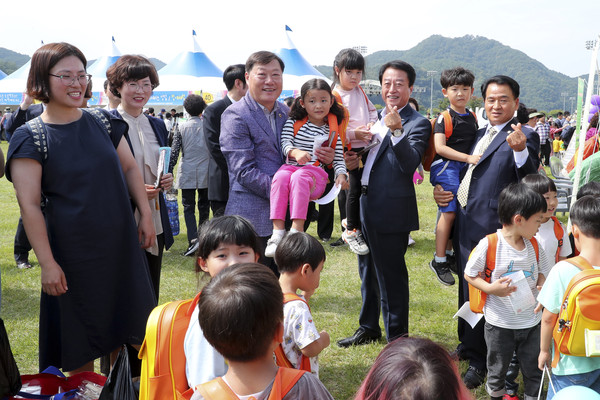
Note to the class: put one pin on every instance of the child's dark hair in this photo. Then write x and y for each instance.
(519, 199)
(522, 113)
(298, 112)
(456, 76)
(589, 189)
(297, 249)
(230, 229)
(411, 369)
(540, 183)
(349, 59)
(585, 213)
(240, 311)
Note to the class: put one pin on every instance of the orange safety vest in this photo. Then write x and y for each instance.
(280, 357)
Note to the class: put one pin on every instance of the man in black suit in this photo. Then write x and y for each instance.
(26, 111)
(508, 153)
(388, 206)
(218, 178)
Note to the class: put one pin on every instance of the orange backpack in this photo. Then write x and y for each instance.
(163, 358)
(478, 297)
(285, 380)
(558, 232)
(280, 357)
(578, 312)
(346, 120)
(430, 152)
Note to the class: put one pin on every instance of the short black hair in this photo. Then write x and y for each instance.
(585, 213)
(129, 68)
(522, 113)
(501, 80)
(232, 73)
(229, 229)
(519, 199)
(262, 58)
(456, 76)
(414, 101)
(297, 249)
(589, 189)
(540, 183)
(240, 310)
(194, 105)
(402, 66)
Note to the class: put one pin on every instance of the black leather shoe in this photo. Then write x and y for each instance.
(361, 336)
(474, 377)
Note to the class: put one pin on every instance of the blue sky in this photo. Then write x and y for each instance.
(553, 32)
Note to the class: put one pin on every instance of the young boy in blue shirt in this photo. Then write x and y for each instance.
(584, 371)
(511, 324)
(452, 154)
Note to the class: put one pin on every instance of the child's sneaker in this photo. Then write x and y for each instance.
(272, 244)
(442, 271)
(355, 241)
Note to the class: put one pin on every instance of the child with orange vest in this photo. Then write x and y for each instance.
(554, 239)
(315, 120)
(300, 259)
(241, 312)
(510, 320)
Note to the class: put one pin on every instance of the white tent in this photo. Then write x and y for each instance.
(297, 70)
(13, 86)
(189, 72)
(98, 72)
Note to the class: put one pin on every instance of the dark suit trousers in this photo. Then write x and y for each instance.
(384, 279)
(472, 343)
(21, 246)
(326, 211)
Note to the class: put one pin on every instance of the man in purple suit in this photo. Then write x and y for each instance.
(250, 141)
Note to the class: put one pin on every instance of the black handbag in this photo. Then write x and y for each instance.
(10, 378)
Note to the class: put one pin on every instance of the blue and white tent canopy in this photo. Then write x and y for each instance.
(297, 69)
(99, 67)
(189, 72)
(2, 75)
(14, 85)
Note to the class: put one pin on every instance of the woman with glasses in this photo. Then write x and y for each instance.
(96, 289)
(132, 78)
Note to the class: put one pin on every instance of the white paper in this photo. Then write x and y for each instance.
(522, 299)
(329, 197)
(319, 141)
(468, 315)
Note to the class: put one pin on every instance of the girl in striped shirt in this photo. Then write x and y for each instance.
(315, 119)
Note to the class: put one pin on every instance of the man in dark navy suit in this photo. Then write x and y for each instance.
(508, 153)
(388, 207)
(26, 111)
(218, 178)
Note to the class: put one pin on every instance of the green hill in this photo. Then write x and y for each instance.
(541, 87)
(10, 61)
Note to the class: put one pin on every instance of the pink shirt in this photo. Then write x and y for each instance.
(361, 112)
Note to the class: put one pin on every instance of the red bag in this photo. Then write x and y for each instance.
(53, 382)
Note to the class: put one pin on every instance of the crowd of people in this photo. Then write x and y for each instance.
(258, 164)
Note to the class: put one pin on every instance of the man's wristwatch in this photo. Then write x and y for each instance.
(398, 132)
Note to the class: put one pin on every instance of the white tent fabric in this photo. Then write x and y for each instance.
(98, 72)
(189, 72)
(13, 86)
(297, 70)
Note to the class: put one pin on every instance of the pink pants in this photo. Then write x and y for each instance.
(298, 185)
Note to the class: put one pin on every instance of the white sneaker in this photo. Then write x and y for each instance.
(355, 241)
(411, 241)
(272, 245)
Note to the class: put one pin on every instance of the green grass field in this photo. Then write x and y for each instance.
(335, 305)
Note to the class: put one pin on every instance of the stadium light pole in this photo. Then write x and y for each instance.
(431, 74)
(564, 96)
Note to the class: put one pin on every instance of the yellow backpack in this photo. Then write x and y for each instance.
(579, 311)
(163, 358)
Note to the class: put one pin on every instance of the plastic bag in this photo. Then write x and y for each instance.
(173, 211)
(10, 378)
(119, 385)
(53, 384)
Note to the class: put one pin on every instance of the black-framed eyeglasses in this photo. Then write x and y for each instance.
(68, 80)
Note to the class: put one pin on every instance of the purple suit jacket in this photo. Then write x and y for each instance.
(253, 154)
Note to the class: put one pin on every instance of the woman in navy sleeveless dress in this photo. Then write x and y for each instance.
(96, 290)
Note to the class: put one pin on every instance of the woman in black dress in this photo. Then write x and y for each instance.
(96, 290)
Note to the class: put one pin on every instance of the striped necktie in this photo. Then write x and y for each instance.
(463, 189)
